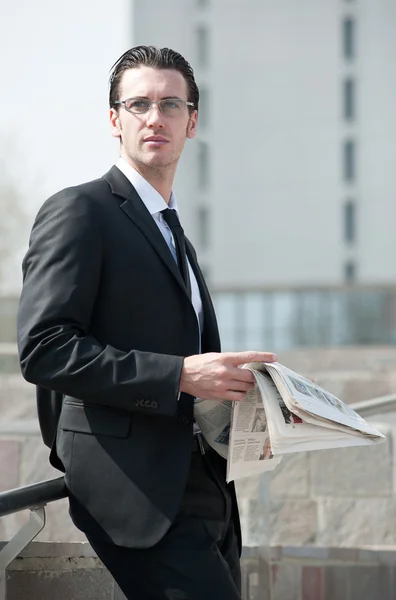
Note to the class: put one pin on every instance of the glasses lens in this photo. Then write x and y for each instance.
(171, 107)
(137, 105)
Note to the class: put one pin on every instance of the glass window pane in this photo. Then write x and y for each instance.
(256, 338)
(203, 165)
(349, 99)
(202, 34)
(348, 32)
(350, 271)
(203, 107)
(349, 221)
(226, 311)
(349, 159)
(285, 321)
(203, 226)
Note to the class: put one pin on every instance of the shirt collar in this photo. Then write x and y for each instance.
(152, 199)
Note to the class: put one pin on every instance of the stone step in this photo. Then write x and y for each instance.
(9, 360)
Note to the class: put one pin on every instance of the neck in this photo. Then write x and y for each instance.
(161, 178)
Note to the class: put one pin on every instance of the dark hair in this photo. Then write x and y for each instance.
(158, 58)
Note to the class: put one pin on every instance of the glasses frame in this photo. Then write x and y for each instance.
(151, 103)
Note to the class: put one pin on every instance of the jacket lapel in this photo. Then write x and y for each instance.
(135, 209)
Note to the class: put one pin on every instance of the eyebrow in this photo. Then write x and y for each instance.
(164, 97)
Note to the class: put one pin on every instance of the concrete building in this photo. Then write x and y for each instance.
(290, 183)
(291, 180)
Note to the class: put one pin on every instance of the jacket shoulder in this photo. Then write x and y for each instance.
(94, 189)
(89, 194)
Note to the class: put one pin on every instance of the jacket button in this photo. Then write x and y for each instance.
(185, 420)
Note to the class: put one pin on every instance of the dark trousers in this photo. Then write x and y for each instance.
(198, 557)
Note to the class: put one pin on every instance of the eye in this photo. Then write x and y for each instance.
(172, 104)
(137, 105)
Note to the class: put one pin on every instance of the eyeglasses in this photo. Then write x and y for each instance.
(170, 107)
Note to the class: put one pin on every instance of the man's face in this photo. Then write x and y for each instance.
(152, 140)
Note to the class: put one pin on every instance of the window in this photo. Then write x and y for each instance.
(205, 272)
(203, 226)
(349, 99)
(203, 165)
(349, 160)
(350, 271)
(348, 33)
(202, 45)
(350, 222)
(203, 106)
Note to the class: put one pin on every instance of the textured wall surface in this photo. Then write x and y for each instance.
(65, 571)
(341, 497)
(337, 497)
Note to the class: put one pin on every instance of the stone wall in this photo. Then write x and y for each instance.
(65, 571)
(320, 573)
(342, 497)
(60, 571)
(351, 373)
(338, 497)
(8, 318)
(24, 459)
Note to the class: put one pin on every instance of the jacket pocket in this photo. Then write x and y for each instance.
(94, 420)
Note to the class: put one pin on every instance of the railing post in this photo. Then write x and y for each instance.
(2, 584)
(15, 546)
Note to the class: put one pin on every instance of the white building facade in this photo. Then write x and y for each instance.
(291, 180)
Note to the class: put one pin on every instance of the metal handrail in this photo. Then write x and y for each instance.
(32, 496)
(381, 404)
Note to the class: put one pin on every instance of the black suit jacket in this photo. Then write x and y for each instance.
(105, 320)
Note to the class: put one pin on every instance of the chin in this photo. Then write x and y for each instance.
(157, 161)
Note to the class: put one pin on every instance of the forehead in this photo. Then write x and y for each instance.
(153, 83)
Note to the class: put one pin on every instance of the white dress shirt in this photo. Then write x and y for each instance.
(155, 203)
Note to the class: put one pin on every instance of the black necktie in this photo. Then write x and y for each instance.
(173, 222)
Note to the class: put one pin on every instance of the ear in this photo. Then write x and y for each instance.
(115, 124)
(192, 125)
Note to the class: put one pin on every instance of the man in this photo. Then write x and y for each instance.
(115, 315)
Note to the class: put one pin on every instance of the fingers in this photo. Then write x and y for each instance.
(239, 358)
(240, 386)
(234, 396)
(242, 374)
(217, 376)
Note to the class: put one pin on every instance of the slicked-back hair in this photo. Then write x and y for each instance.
(157, 58)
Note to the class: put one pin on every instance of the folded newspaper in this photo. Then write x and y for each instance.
(283, 413)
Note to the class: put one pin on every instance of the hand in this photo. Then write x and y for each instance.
(216, 375)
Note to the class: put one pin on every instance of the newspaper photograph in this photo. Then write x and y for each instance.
(250, 450)
(292, 432)
(307, 398)
(214, 420)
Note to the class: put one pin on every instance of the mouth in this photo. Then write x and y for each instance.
(155, 141)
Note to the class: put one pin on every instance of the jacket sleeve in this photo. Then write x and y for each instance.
(61, 275)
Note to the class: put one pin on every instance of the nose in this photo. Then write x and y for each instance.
(154, 117)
